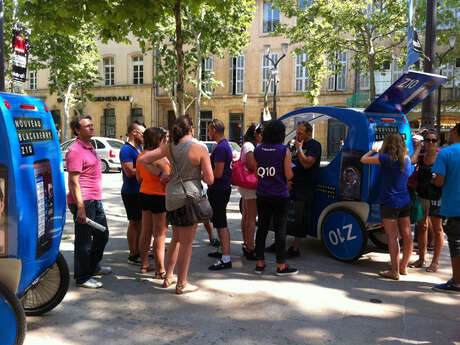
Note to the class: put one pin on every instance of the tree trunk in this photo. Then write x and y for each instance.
(198, 79)
(66, 111)
(180, 59)
(371, 59)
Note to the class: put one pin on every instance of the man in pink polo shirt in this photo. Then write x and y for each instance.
(84, 200)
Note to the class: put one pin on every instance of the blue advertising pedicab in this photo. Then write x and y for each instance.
(345, 210)
(34, 276)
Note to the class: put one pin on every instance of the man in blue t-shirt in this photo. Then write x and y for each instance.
(447, 175)
(130, 188)
(219, 192)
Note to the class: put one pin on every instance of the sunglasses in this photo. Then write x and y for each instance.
(431, 140)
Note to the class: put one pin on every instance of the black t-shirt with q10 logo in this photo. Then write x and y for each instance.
(306, 178)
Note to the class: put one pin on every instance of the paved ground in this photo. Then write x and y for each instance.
(329, 302)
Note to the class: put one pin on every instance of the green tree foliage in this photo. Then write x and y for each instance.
(72, 61)
(114, 20)
(371, 29)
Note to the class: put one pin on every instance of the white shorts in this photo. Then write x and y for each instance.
(247, 193)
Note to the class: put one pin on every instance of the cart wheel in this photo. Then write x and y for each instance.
(379, 238)
(49, 290)
(13, 328)
(343, 234)
(104, 166)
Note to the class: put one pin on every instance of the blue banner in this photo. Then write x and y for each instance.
(408, 91)
(413, 44)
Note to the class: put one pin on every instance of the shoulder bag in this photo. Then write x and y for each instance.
(198, 209)
(242, 177)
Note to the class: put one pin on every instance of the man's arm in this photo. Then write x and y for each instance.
(218, 170)
(438, 180)
(129, 169)
(74, 187)
(306, 161)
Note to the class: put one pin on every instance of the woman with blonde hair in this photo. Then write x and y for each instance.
(190, 163)
(394, 200)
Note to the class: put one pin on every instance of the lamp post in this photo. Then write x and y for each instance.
(274, 72)
(441, 61)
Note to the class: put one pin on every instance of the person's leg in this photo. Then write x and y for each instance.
(83, 239)
(186, 236)
(422, 231)
(133, 234)
(100, 238)
(172, 253)
(279, 224)
(208, 226)
(244, 215)
(264, 211)
(219, 219)
(146, 236)
(452, 231)
(391, 229)
(251, 214)
(159, 233)
(404, 230)
(438, 243)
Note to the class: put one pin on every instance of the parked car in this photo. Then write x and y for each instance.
(108, 150)
(236, 149)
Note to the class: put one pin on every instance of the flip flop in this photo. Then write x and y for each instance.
(433, 267)
(389, 275)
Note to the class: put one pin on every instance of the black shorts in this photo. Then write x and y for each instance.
(179, 217)
(153, 203)
(219, 200)
(132, 206)
(394, 213)
(452, 230)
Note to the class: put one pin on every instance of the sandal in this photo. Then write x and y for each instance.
(168, 281)
(145, 269)
(433, 267)
(186, 288)
(417, 264)
(389, 275)
(160, 275)
(403, 271)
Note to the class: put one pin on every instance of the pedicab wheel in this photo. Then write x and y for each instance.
(344, 234)
(379, 238)
(13, 318)
(49, 290)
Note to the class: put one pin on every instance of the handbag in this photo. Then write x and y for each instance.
(241, 177)
(198, 209)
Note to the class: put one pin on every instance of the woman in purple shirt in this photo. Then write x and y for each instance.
(394, 200)
(273, 166)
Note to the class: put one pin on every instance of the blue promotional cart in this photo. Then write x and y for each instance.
(345, 208)
(34, 276)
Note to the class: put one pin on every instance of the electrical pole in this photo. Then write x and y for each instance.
(430, 51)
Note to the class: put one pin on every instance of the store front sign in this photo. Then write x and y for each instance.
(111, 98)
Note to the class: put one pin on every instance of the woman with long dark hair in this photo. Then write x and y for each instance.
(190, 162)
(152, 197)
(394, 200)
(430, 198)
(249, 197)
(273, 166)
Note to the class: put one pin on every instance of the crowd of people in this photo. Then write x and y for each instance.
(160, 169)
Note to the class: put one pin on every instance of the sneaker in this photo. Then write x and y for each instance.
(259, 269)
(134, 260)
(448, 287)
(216, 255)
(214, 242)
(220, 265)
(292, 253)
(271, 248)
(286, 271)
(103, 271)
(91, 284)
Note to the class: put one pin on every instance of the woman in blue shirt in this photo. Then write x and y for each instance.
(394, 200)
